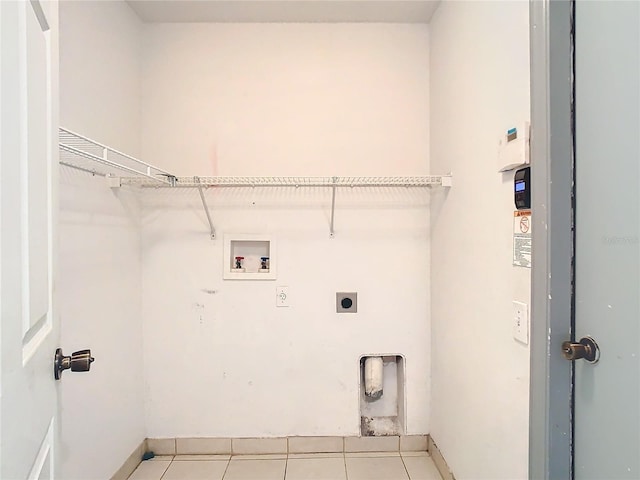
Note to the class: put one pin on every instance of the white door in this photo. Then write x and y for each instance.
(28, 179)
(607, 245)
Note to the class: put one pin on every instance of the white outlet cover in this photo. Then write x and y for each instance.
(521, 322)
(282, 296)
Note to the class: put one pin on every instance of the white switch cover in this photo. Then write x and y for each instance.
(282, 296)
(521, 322)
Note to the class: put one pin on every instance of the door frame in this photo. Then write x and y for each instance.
(552, 186)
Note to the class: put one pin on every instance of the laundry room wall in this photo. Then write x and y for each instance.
(221, 360)
(99, 288)
(480, 391)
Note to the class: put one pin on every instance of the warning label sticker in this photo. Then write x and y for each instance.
(522, 238)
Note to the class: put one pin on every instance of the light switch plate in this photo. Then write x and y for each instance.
(521, 322)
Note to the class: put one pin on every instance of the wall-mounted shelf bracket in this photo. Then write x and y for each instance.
(172, 179)
(198, 184)
(333, 205)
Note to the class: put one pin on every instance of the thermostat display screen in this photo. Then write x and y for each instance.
(522, 188)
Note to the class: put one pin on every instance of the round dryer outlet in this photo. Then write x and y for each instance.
(346, 302)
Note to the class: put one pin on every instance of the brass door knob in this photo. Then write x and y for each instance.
(79, 361)
(586, 349)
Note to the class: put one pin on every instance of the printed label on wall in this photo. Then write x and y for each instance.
(522, 238)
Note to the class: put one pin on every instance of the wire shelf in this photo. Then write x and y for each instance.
(82, 153)
(297, 182)
(86, 155)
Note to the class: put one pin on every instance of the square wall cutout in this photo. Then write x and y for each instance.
(249, 257)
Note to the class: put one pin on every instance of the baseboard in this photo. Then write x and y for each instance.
(285, 445)
(131, 463)
(438, 459)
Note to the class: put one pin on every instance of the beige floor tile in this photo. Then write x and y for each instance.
(150, 470)
(258, 446)
(421, 468)
(195, 470)
(372, 444)
(316, 455)
(316, 469)
(371, 454)
(376, 468)
(415, 454)
(206, 446)
(162, 458)
(267, 456)
(315, 444)
(162, 446)
(413, 443)
(180, 458)
(256, 470)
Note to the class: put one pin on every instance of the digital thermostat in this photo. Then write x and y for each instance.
(522, 188)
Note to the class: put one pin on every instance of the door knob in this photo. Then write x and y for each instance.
(586, 349)
(79, 361)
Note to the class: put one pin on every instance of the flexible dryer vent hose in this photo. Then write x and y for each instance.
(373, 377)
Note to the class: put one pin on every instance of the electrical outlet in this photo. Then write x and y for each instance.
(282, 296)
(521, 322)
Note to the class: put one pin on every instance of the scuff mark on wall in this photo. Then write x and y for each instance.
(380, 426)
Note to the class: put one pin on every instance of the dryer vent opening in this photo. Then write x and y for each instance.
(382, 386)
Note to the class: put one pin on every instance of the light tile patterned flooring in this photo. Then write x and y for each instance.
(311, 466)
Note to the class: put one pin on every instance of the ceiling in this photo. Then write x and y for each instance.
(279, 11)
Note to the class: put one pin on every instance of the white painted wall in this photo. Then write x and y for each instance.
(101, 71)
(273, 100)
(479, 86)
(99, 289)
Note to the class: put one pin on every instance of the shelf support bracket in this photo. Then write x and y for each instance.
(206, 208)
(333, 205)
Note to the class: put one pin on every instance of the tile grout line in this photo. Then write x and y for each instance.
(346, 472)
(166, 469)
(286, 463)
(405, 467)
(226, 468)
(344, 458)
(175, 448)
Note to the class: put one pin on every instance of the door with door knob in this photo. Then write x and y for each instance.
(607, 246)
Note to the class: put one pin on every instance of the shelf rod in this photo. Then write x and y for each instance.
(206, 208)
(319, 182)
(82, 169)
(333, 206)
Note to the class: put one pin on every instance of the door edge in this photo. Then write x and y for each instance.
(550, 397)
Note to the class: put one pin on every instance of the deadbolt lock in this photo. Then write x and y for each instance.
(586, 349)
(79, 361)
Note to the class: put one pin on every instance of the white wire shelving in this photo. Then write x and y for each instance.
(81, 153)
(297, 182)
